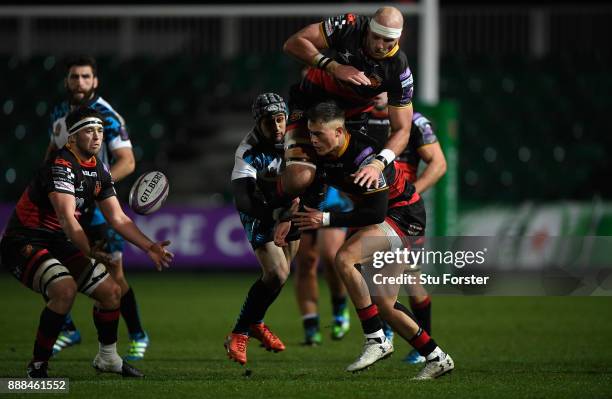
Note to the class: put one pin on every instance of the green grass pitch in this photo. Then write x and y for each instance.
(555, 347)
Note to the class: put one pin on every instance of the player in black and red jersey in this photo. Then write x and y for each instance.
(422, 146)
(383, 215)
(366, 61)
(45, 247)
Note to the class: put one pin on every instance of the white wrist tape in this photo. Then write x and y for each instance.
(326, 217)
(388, 155)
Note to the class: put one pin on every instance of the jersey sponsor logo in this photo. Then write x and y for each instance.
(62, 162)
(424, 126)
(93, 173)
(98, 188)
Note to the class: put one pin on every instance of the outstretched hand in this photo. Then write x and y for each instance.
(160, 255)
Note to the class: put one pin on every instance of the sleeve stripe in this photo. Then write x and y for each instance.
(322, 29)
(401, 106)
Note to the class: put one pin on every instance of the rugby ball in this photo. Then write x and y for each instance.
(149, 193)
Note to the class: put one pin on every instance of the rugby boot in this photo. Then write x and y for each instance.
(269, 341)
(37, 370)
(236, 347)
(436, 367)
(372, 351)
(137, 347)
(66, 339)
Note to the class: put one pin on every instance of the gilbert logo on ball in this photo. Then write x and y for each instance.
(149, 192)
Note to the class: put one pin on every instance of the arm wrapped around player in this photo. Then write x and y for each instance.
(371, 210)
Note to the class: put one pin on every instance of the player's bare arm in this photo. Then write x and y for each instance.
(124, 163)
(305, 45)
(127, 228)
(433, 156)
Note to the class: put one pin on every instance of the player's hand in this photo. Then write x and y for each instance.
(280, 233)
(310, 220)
(160, 255)
(367, 176)
(350, 74)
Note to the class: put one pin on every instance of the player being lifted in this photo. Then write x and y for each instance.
(259, 156)
(45, 247)
(116, 153)
(392, 211)
(422, 146)
(367, 61)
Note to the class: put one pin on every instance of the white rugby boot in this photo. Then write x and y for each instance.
(372, 352)
(436, 367)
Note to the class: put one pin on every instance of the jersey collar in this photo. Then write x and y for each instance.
(88, 163)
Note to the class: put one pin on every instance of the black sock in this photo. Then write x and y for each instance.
(68, 324)
(370, 320)
(422, 312)
(311, 322)
(129, 311)
(107, 322)
(49, 327)
(338, 305)
(255, 305)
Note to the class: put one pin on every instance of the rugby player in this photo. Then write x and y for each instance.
(81, 83)
(392, 210)
(367, 61)
(259, 157)
(422, 146)
(45, 247)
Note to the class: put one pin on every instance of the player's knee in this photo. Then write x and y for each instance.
(276, 278)
(344, 261)
(110, 297)
(307, 265)
(63, 293)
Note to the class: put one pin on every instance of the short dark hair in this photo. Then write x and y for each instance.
(325, 111)
(80, 114)
(83, 60)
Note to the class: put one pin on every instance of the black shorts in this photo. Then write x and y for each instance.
(408, 220)
(22, 254)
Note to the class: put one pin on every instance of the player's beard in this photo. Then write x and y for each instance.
(88, 95)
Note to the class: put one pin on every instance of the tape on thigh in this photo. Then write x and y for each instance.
(395, 241)
(49, 271)
(92, 277)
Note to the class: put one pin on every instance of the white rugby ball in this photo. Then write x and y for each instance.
(149, 193)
